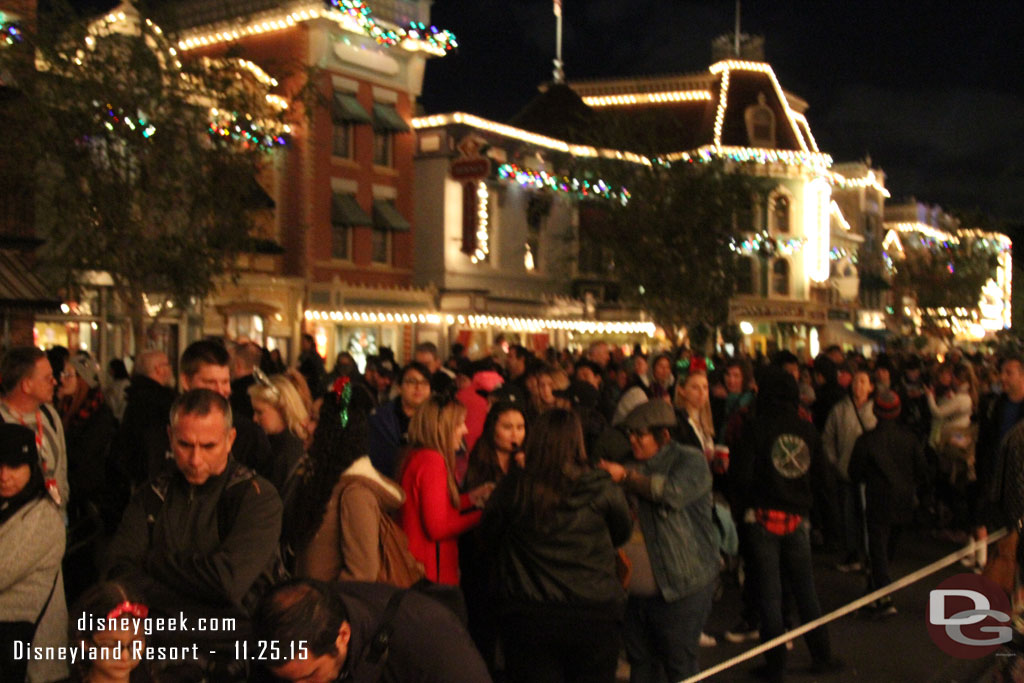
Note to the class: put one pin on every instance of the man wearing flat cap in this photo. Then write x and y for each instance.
(674, 551)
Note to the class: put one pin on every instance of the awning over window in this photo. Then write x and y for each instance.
(345, 211)
(387, 217)
(348, 110)
(385, 118)
(258, 198)
(20, 289)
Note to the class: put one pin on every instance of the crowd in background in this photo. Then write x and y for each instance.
(566, 506)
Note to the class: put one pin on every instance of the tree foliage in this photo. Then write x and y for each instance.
(669, 245)
(145, 167)
(947, 274)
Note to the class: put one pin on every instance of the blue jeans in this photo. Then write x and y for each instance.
(663, 638)
(791, 554)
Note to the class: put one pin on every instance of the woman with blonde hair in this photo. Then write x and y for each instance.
(278, 408)
(692, 401)
(433, 513)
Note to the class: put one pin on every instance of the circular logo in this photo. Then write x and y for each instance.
(791, 456)
(969, 616)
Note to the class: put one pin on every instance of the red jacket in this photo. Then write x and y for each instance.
(428, 517)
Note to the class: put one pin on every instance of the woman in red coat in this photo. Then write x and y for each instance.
(434, 514)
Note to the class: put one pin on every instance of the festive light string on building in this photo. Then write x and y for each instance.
(240, 128)
(482, 229)
(813, 161)
(724, 67)
(838, 253)
(805, 127)
(666, 97)
(540, 180)
(762, 243)
(838, 213)
(924, 229)
(508, 323)
(352, 15)
(10, 32)
(869, 180)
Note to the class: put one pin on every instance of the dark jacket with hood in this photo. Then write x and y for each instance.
(141, 444)
(778, 459)
(889, 460)
(828, 394)
(567, 559)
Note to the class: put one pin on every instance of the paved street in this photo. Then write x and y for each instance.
(896, 649)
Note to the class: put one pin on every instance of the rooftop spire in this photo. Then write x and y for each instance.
(736, 32)
(559, 74)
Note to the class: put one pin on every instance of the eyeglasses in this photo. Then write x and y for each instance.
(416, 382)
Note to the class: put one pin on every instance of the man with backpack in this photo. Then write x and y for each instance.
(201, 539)
(363, 633)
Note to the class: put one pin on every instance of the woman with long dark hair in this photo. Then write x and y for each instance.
(553, 526)
(32, 539)
(494, 453)
(342, 514)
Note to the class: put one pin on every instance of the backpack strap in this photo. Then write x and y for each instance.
(378, 647)
(230, 501)
(49, 416)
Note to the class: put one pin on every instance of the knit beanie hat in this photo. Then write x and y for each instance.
(17, 445)
(887, 404)
(86, 369)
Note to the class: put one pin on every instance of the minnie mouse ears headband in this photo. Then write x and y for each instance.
(694, 363)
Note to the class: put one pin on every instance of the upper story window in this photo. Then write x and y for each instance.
(386, 221)
(745, 275)
(346, 113)
(386, 123)
(780, 277)
(760, 120)
(345, 215)
(780, 213)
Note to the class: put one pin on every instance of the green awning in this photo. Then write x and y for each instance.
(385, 118)
(387, 217)
(345, 211)
(348, 110)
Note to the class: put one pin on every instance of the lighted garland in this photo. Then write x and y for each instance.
(763, 242)
(10, 33)
(244, 130)
(837, 253)
(416, 31)
(814, 161)
(540, 180)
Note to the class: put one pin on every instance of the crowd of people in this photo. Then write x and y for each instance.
(517, 517)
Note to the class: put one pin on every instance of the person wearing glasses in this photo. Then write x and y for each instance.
(674, 548)
(389, 423)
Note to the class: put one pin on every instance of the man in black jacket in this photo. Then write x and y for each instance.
(141, 443)
(362, 633)
(889, 461)
(775, 466)
(997, 417)
(198, 540)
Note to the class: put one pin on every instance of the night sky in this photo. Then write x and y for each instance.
(931, 90)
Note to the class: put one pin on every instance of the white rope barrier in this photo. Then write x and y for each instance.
(847, 608)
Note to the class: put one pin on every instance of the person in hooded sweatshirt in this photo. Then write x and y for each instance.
(774, 469)
(553, 525)
(889, 461)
